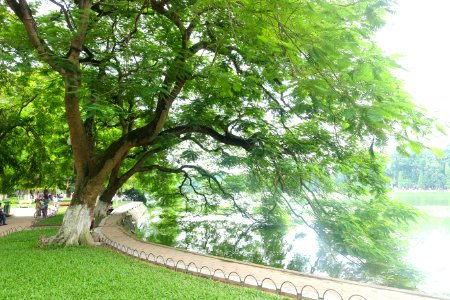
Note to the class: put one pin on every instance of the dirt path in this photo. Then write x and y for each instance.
(291, 282)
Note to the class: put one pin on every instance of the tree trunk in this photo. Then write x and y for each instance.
(106, 197)
(77, 221)
(75, 229)
(100, 211)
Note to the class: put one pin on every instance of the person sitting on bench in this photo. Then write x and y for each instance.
(2, 216)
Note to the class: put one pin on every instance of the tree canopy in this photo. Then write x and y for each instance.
(425, 171)
(284, 104)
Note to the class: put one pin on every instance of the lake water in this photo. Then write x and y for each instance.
(430, 239)
(297, 247)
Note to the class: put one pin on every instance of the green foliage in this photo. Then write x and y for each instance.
(113, 276)
(189, 155)
(30, 144)
(271, 212)
(275, 107)
(371, 234)
(134, 195)
(426, 171)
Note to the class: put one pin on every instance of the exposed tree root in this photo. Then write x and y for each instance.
(75, 229)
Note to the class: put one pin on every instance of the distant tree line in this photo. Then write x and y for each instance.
(424, 171)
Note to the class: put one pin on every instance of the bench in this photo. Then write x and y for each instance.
(25, 203)
(64, 203)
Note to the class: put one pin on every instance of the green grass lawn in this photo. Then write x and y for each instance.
(29, 272)
(55, 220)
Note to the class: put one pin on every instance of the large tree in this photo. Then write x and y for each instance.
(25, 139)
(282, 102)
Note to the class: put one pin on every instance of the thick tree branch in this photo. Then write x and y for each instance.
(90, 57)
(159, 7)
(204, 148)
(23, 11)
(77, 44)
(174, 79)
(116, 181)
(146, 134)
(227, 138)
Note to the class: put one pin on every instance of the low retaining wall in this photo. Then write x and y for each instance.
(131, 219)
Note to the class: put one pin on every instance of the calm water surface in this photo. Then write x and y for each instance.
(430, 239)
(297, 247)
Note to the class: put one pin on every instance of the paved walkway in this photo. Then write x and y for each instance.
(20, 218)
(113, 233)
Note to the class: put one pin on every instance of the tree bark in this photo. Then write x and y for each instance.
(100, 211)
(75, 229)
(77, 221)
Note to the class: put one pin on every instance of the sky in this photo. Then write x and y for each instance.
(419, 31)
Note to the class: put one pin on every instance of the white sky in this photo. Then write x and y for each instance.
(420, 32)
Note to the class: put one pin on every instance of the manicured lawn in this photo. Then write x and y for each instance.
(28, 272)
(53, 220)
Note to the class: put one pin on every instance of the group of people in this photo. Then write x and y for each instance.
(41, 204)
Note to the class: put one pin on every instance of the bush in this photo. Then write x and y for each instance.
(134, 195)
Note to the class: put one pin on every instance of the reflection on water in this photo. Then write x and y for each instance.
(217, 236)
(291, 247)
(430, 239)
(298, 248)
